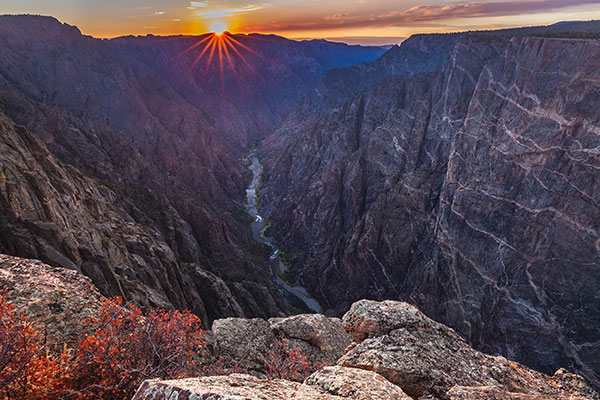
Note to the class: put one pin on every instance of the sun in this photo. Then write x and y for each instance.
(223, 47)
(218, 27)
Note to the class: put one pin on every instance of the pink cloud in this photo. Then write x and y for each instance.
(424, 14)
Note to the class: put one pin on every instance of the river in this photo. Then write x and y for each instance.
(296, 296)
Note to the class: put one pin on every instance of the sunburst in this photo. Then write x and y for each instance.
(221, 48)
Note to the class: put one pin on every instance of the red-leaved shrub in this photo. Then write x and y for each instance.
(127, 347)
(287, 362)
(26, 371)
(124, 348)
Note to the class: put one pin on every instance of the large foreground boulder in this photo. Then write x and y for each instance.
(231, 387)
(334, 383)
(249, 342)
(321, 339)
(243, 342)
(496, 393)
(356, 384)
(426, 358)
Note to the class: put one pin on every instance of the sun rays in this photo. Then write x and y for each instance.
(223, 49)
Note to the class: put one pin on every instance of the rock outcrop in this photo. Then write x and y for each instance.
(399, 353)
(354, 383)
(426, 358)
(468, 189)
(493, 393)
(237, 386)
(246, 342)
(321, 339)
(249, 342)
(56, 299)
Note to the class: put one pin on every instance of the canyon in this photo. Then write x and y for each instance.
(455, 172)
(161, 218)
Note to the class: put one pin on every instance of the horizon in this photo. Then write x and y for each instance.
(365, 41)
(374, 23)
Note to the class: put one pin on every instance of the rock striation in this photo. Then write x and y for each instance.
(468, 188)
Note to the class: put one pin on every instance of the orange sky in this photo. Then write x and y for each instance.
(356, 21)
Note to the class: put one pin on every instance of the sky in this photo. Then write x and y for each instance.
(352, 21)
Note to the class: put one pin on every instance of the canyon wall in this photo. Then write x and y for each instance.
(469, 189)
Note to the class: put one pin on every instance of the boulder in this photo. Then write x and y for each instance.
(495, 393)
(232, 387)
(332, 383)
(367, 318)
(320, 339)
(247, 343)
(424, 357)
(243, 342)
(356, 384)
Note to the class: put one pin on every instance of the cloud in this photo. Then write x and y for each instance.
(160, 12)
(228, 12)
(336, 17)
(420, 14)
(197, 4)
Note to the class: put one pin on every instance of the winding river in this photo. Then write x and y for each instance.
(296, 296)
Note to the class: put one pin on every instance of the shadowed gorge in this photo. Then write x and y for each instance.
(166, 134)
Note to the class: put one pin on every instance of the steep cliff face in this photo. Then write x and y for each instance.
(469, 190)
(166, 134)
(518, 220)
(53, 213)
(373, 166)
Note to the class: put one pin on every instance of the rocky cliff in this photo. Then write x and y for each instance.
(53, 213)
(457, 172)
(468, 189)
(162, 132)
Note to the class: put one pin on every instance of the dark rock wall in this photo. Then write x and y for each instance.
(470, 190)
(53, 213)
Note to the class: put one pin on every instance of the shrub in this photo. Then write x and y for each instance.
(126, 348)
(286, 362)
(26, 371)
